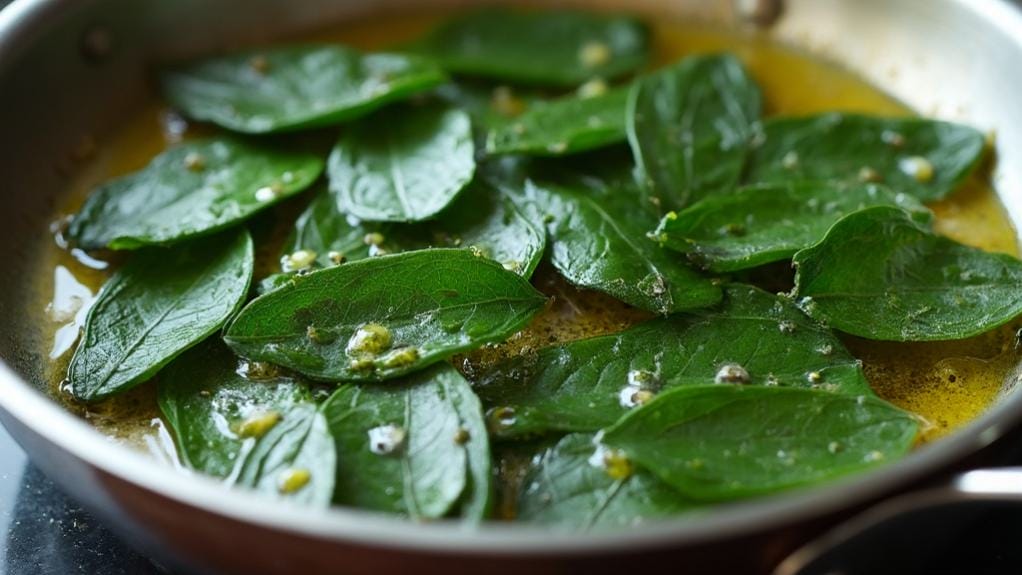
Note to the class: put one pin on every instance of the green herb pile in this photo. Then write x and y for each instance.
(662, 188)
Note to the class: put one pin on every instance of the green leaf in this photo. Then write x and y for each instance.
(159, 304)
(541, 48)
(249, 424)
(924, 158)
(488, 105)
(760, 224)
(408, 171)
(294, 87)
(879, 274)
(417, 447)
(385, 316)
(491, 217)
(589, 384)
(484, 217)
(193, 189)
(722, 442)
(570, 486)
(565, 126)
(597, 234)
(689, 127)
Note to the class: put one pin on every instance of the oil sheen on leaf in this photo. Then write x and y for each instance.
(407, 172)
(690, 127)
(597, 234)
(560, 49)
(927, 159)
(880, 274)
(565, 126)
(760, 224)
(417, 446)
(575, 485)
(294, 87)
(158, 305)
(723, 442)
(484, 217)
(251, 424)
(192, 189)
(754, 338)
(382, 317)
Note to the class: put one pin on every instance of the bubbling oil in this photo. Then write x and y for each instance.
(946, 383)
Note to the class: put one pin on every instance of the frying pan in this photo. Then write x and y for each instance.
(76, 68)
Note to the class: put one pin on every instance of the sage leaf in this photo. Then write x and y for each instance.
(597, 234)
(250, 424)
(417, 447)
(484, 218)
(488, 105)
(294, 87)
(492, 219)
(761, 224)
(723, 442)
(193, 189)
(560, 49)
(585, 385)
(927, 159)
(159, 304)
(689, 127)
(571, 486)
(382, 317)
(564, 126)
(407, 172)
(880, 274)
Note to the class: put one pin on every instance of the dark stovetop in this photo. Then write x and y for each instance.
(44, 533)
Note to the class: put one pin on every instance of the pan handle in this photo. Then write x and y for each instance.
(832, 552)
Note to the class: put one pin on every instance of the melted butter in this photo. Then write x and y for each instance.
(946, 383)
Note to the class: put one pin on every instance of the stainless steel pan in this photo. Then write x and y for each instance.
(71, 68)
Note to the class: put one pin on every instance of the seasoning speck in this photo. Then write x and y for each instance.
(258, 424)
(869, 175)
(268, 193)
(259, 64)
(918, 168)
(319, 335)
(592, 88)
(299, 260)
(386, 439)
(557, 147)
(335, 257)
(505, 103)
(370, 339)
(293, 480)
(593, 54)
(892, 138)
(616, 464)
(194, 162)
(400, 357)
(732, 373)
